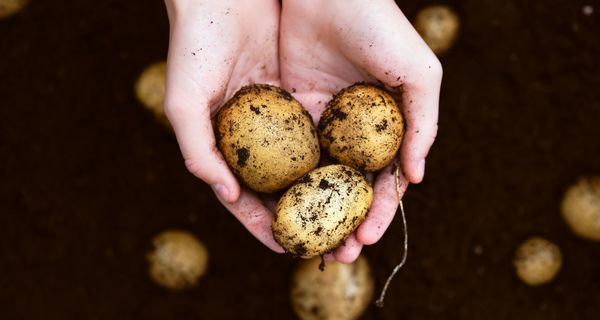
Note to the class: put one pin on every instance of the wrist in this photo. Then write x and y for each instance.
(177, 8)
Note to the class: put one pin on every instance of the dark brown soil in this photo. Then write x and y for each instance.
(87, 177)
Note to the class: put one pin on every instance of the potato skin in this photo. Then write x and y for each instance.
(341, 291)
(438, 25)
(267, 138)
(321, 210)
(362, 127)
(537, 261)
(178, 260)
(581, 208)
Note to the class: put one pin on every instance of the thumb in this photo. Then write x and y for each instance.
(196, 81)
(194, 131)
(188, 107)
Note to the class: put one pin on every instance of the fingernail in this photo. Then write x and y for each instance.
(221, 191)
(421, 170)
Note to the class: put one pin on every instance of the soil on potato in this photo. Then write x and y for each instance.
(87, 176)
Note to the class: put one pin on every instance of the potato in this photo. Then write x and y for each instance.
(150, 90)
(267, 138)
(340, 292)
(581, 208)
(537, 261)
(438, 25)
(362, 127)
(178, 260)
(321, 210)
(11, 7)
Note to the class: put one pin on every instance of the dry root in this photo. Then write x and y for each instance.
(379, 301)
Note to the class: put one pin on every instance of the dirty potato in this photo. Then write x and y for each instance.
(362, 127)
(581, 208)
(438, 25)
(11, 7)
(267, 138)
(321, 210)
(537, 261)
(150, 90)
(178, 260)
(340, 292)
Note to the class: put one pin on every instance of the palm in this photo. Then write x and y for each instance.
(315, 74)
(315, 63)
(254, 61)
(220, 52)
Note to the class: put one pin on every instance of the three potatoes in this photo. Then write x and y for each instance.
(270, 143)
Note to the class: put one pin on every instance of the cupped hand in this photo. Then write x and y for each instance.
(215, 48)
(326, 45)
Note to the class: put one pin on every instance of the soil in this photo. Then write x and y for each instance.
(88, 177)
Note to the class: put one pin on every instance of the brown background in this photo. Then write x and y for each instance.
(87, 177)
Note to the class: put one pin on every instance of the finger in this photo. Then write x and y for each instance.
(421, 103)
(195, 83)
(255, 217)
(349, 251)
(402, 60)
(194, 132)
(385, 204)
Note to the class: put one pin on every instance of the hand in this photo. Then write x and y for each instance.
(326, 45)
(215, 48)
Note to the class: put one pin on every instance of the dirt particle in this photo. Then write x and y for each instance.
(314, 309)
(381, 126)
(299, 250)
(339, 114)
(322, 265)
(318, 231)
(243, 155)
(255, 109)
(285, 95)
(305, 179)
(324, 184)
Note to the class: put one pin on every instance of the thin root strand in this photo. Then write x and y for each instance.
(379, 302)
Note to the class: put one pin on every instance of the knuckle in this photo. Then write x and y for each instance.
(172, 107)
(426, 129)
(428, 70)
(195, 168)
(435, 68)
(431, 131)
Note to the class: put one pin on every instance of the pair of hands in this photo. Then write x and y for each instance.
(311, 48)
